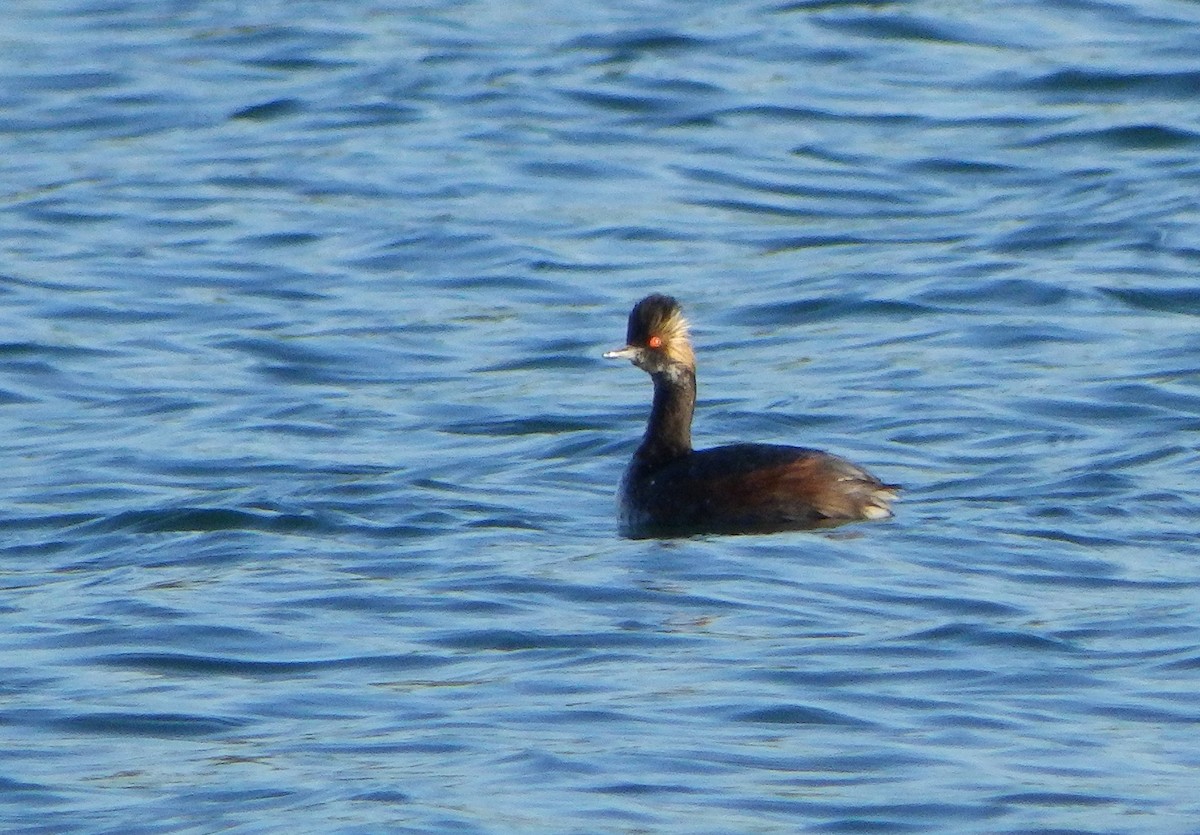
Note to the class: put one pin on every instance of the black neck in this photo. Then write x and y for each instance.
(669, 432)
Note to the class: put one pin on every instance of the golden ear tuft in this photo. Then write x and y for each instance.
(675, 339)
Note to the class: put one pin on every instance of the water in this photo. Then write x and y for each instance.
(307, 520)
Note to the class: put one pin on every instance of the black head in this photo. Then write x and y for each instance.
(649, 316)
(657, 336)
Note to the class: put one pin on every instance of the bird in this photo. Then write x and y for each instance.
(669, 488)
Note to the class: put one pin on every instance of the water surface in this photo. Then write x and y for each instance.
(310, 450)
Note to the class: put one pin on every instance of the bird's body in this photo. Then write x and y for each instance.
(741, 488)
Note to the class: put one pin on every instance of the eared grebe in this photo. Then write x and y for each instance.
(741, 488)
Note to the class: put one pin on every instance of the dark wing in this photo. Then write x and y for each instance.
(763, 484)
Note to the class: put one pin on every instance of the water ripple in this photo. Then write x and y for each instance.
(205, 665)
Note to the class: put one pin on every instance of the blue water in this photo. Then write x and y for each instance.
(307, 522)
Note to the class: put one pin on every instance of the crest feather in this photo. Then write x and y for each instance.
(661, 316)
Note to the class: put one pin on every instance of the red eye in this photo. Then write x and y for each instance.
(655, 342)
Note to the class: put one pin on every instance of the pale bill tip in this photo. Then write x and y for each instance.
(621, 353)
